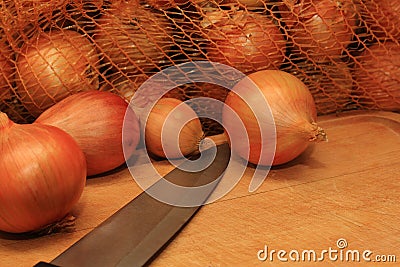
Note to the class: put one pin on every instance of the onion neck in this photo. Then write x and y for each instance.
(317, 133)
(5, 122)
(215, 140)
(206, 142)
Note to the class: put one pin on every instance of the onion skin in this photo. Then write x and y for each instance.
(40, 6)
(247, 3)
(382, 18)
(133, 38)
(6, 70)
(330, 84)
(127, 87)
(320, 30)
(166, 4)
(159, 123)
(95, 120)
(293, 110)
(376, 75)
(42, 175)
(54, 65)
(247, 41)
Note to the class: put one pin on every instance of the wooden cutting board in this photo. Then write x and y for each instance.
(342, 192)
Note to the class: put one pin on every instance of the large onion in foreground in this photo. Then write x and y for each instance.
(42, 175)
(293, 111)
(54, 65)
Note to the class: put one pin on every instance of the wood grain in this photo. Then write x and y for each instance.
(347, 188)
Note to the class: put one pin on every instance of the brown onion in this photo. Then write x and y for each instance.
(132, 38)
(248, 3)
(42, 175)
(170, 133)
(382, 18)
(245, 40)
(127, 86)
(320, 30)
(330, 84)
(53, 66)
(79, 15)
(38, 6)
(166, 4)
(376, 75)
(24, 18)
(6, 70)
(95, 120)
(293, 111)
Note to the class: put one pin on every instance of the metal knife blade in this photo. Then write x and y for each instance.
(137, 232)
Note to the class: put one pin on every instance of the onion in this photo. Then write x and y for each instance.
(330, 84)
(382, 18)
(162, 124)
(133, 39)
(166, 4)
(95, 120)
(6, 70)
(42, 175)
(37, 6)
(127, 86)
(244, 40)
(24, 18)
(320, 30)
(54, 65)
(376, 74)
(293, 111)
(248, 3)
(79, 15)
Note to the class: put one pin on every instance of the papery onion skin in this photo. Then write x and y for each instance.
(376, 74)
(247, 3)
(293, 111)
(6, 70)
(166, 4)
(41, 6)
(382, 18)
(95, 120)
(133, 38)
(247, 41)
(320, 30)
(159, 123)
(330, 84)
(53, 66)
(42, 175)
(126, 87)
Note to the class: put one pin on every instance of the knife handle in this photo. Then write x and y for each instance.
(44, 264)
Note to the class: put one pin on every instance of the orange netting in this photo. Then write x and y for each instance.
(346, 51)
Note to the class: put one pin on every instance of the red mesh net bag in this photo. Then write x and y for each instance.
(346, 51)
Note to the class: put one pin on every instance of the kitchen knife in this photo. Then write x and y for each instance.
(135, 234)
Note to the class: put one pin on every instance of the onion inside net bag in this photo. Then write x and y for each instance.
(346, 51)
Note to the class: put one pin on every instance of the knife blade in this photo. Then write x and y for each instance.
(135, 234)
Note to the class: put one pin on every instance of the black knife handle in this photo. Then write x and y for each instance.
(44, 264)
